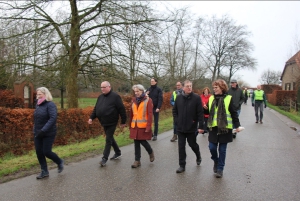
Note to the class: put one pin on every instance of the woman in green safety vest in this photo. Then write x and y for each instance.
(222, 117)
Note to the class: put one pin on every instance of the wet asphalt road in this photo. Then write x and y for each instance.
(263, 163)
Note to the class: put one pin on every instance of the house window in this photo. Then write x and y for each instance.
(288, 86)
(294, 85)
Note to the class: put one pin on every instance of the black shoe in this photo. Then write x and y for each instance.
(219, 174)
(234, 135)
(198, 161)
(103, 162)
(256, 122)
(60, 167)
(180, 170)
(116, 156)
(154, 138)
(42, 175)
(215, 167)
(261, 122)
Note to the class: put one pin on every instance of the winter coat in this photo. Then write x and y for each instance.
(225, 138)
(188, 113)
(156, 94)
(45, 116)
(237, 97)
(139, 133)
(108, 108)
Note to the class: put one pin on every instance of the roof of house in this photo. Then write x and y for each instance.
(293, 60)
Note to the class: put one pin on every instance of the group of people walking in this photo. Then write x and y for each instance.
(216, 114)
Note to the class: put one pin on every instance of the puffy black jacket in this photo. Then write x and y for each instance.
(108, 108)
(188, 113)
(45, 116)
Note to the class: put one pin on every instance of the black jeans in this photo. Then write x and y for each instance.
(191, 139)
(156, 117)
(43, 149)
(110, 141)
(137, 148)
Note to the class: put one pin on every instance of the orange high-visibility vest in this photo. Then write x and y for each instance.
(140, 115)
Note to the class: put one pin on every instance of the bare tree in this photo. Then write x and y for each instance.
(82, 43)
(220, 36)
(271, 77)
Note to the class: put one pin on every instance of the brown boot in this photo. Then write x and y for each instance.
(136, 164)
(152, 157)
(174, 138)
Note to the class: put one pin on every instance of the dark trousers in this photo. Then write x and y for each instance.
(259, 105)
(137, 148)
(110, 141)
(175, 128)
(43, 149)
(191, 139)
(156, 117)
(205, 124)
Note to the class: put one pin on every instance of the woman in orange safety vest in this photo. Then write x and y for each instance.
(141, 123)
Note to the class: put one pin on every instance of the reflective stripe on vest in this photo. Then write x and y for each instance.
(228, 115)
(140, 116)
(259, 94)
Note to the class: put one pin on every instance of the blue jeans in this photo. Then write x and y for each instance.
(219, 158)
(156, 117)
(259, 105)
(43, 149)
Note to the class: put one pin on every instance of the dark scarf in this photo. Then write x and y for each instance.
(221, 115)
(139, 99)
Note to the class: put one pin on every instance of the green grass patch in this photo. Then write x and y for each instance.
(82, 102)
(10, 164)
(292, 115)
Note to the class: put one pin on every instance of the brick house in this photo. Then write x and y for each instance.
(291, 73)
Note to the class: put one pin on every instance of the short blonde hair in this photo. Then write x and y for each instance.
(45, 91)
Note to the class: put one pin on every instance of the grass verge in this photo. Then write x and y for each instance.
(292, 115)
(13, 167)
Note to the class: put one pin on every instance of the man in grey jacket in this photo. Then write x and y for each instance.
(237, 97)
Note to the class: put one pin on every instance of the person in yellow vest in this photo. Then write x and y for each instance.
(258, 98)
(172, 101)
(141, 123)
(222, 116)
(246, 95)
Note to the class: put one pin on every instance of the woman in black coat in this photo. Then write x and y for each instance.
(222, 117)
(44, 130)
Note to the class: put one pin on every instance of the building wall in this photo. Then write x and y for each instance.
(290, 77)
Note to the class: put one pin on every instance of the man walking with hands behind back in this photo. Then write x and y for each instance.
(258, 98)
(108, 108)
(188, 116)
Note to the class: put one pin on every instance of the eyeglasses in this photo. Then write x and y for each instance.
(104, 87)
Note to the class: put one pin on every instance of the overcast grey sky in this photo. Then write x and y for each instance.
(273, 24)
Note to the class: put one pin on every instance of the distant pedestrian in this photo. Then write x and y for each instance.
(108, 108)
(237, 97)
(246, 95)
(141, 123)
(205, 97)
(222, 116)
(172, 101)
(188, 116)
(259, 101)
(156, 94)
(45, 116)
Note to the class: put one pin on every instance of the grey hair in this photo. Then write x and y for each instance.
(45, 91)
(139, 87)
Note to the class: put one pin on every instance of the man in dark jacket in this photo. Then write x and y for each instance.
(156, 94)
(108, 108)
(237, 97)
(188, 116)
